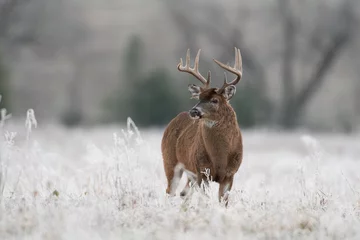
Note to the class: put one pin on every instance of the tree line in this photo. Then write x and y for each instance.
(311, 41)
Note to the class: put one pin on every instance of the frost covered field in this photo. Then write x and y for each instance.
(106, 183)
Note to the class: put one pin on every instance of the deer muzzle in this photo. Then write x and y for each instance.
(195, 113)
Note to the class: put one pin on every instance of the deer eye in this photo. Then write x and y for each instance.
(214, 100)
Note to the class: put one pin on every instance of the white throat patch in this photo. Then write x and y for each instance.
(209, 123)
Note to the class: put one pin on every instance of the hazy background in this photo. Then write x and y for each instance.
(86, 65)
(90, 62)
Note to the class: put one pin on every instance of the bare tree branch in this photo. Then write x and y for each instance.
(337, 41)
(318, 76)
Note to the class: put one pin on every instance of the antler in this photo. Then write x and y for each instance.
(237, 70)
(194, 71)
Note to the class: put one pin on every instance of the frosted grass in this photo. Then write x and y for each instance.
(109, 183)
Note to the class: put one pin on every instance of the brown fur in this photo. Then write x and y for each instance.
(198, 146)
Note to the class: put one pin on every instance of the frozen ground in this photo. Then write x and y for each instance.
(105, 184)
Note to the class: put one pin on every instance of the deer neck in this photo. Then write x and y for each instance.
(213, 128)
(208, 123)
(218, 136)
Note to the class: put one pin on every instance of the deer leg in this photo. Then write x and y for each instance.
(224, 188)
(173, 176)
(186, 189)
(191, 178)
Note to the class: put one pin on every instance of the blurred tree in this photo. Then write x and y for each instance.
(133, 59)
(72, 116)
(14, 28)
(7, 8)
(154, 101)
(247, 102)
(4, 87)
(327, 41)
(147, 97)
(47, 28)
(69, 34)
(7, 12)
(132, 71)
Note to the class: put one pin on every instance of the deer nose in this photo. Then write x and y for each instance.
(194, 113)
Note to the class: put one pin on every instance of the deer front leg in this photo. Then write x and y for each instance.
(173, 176)
(220, 173)
(224, 188)
(186, 189)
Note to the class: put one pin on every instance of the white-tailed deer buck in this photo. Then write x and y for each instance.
(206, 137)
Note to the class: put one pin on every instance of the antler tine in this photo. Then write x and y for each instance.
(187, 63)
(194, 71)
(196, 61)
(225, 78)
(237, 70)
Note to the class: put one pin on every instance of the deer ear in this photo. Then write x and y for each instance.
(229, 92)
(194, 90)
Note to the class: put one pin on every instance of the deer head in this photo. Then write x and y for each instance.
(212, 101)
